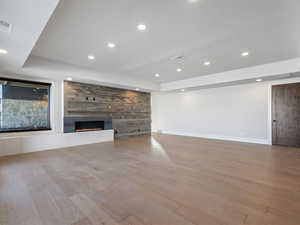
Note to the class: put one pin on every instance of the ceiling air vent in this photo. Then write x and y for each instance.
(177, 57)
(5, 26)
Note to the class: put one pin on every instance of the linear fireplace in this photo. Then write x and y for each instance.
(83, 124)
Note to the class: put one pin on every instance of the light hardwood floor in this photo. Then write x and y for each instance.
(163, 180)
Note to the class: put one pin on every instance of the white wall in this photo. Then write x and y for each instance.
(238, 113)
(232, 113)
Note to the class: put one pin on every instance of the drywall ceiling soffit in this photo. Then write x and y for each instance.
(27, 20)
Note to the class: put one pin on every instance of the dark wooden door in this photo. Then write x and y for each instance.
(286, 114)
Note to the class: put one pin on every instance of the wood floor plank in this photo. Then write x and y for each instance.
(94, 212)
(84, 221)
(54, 208)
(16, 203)
(132, 220)
(158, 180)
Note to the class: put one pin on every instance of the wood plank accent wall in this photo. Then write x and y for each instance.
(130, 110)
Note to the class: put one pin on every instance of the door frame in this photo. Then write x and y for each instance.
(270, 119)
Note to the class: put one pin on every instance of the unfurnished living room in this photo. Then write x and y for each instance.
(149, 112)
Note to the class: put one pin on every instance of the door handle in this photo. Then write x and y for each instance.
(274, 121)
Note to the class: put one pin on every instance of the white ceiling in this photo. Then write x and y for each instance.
(28, 19)
(205, 30)
(212, 30)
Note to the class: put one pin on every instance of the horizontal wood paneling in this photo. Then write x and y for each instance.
(130, 110)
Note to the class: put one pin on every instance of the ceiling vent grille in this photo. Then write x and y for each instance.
(178, 58)
(5, 26)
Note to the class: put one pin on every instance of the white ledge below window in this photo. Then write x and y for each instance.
(47, 141)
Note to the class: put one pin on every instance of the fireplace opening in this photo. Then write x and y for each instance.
(82, 126)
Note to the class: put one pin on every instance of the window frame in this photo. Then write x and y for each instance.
(49, 128)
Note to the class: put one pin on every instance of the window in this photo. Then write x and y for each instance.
(24, 105)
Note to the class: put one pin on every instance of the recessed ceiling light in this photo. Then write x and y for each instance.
(259, 80)
(182, 90)
(157, 75)
(91, 57)
(141, 27)
(70, 78)
(178, 70)
(245, 54)
(111, 45)
(193, 1)
(137, 89)
(207, 63)
(3, 51)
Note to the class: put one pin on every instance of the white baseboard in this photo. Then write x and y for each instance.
(42, 142)
(218, 137)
